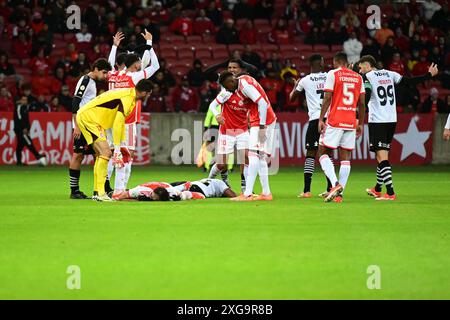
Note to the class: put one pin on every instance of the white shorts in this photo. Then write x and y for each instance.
(334, 138)
(130, 136)
(268, 146)
(226, 143)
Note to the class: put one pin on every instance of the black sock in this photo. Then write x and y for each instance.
(379, 184)
(308, 171)
(107, 186)
(242, 182)
(74, 180)
(386, 175)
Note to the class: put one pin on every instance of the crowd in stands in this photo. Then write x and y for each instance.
(41, 58)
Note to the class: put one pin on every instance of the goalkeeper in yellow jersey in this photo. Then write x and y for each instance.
(106, 111)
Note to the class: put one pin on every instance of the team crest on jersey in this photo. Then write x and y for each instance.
(241, 103)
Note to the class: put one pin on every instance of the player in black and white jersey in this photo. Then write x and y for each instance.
(312, 85)
(380, 96)
(85, 91)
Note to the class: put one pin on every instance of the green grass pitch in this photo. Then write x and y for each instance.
(289, 248)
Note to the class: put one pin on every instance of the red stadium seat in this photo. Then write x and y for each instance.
(220, 54)
(233, 47)
(168, 54)
(262, 22)
(336, 48)
(185, 53)
(269, 48)
(203, 53)
(320, 48)
(194, 39)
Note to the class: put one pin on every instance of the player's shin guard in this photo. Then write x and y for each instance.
(264, 175)
(244, 177)
(119, 181)
(344, 172)
(101, 171)
(328, 169)
(253, 168)
(308, 171)
(128, 172)
(386, 175)
(74, 180)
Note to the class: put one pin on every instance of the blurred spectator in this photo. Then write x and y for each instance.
(168, 77)
(401, 42)
(280, 34)
(208, 92)
(436, 56)
(80, 64)
(429, 7)
(58, 16)
(60, 76)
(65, 99)
(397, 64)
(95, 53)
(292, 10)
(6, 68)
(44, 85)
(349, 20)
(414, 24)
(285, 103)
(304, 24)
(251, 56)
(156, 102)
(243, 10)
(248, 33)
(420, 67)
(84, 36)
(353, 48)
(91, 16)
(271, 84)
(227, 33)
(314, 36)
(22, 27)
(37, 24)
(371, 48)
(40, 62)
(6, 101)
(396, 21)
(333, 35)
(21, 47)
(214, 13)
(264, 9)
(72, 52)
(413, 59)
(159, 14)
(195, 75)
(43, 39)
(40, 105)
(441, 17)
(415, 43)
(55, 105)
(26, 91)
(383, 34)
(388, 50)
(289, 69)
(407, 97)
(182, 25)
(203, 24)
(184, 98)
(277, 64)
(433, 103)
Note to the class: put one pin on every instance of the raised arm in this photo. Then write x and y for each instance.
(118, 37)
(154, 63)
(413, 81)
(295, 93)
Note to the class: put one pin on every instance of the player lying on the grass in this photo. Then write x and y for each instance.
(233, 130)
(262, 131)
(85, 91)
(183, 190)
(312, 84)
(130, 71)
(108, 110)
(344, 90)
(380, 99)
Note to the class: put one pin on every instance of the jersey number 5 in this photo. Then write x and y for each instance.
(349, 96)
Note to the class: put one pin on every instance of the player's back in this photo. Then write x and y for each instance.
(245, 81)
(346, 86)
(313, 85)
(382, 104)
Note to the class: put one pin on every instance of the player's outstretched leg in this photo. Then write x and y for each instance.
(376, 191)
(386, 175)
(328, 169)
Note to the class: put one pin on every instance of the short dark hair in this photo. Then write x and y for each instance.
(144, 85)
(131, 59)
(340, 56)
(238, 61)
(224, 76)
(315, 57)
(369, 59)
(162, 193)
(120, 59)
(101, 64)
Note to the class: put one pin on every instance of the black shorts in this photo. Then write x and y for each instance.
(380, 135)
(80, 146)
(211, 134)
(312, 135)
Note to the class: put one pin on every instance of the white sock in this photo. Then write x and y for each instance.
(344, 172)
(264, 176)
(127, 172)
(253, 168)
(119, 181)
(245, 171)
(110, 168)
(328, 169)
(214, 172)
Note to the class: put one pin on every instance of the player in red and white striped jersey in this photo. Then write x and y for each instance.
(344, 91)
(128, 74)
(262, 131)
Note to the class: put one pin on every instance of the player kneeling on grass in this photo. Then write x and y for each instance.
(184, 190)
(106, 111)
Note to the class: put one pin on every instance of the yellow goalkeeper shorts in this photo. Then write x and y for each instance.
(90, 130)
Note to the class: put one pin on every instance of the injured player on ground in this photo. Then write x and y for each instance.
(182, 190)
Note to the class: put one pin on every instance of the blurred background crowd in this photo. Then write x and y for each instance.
(42, 59)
